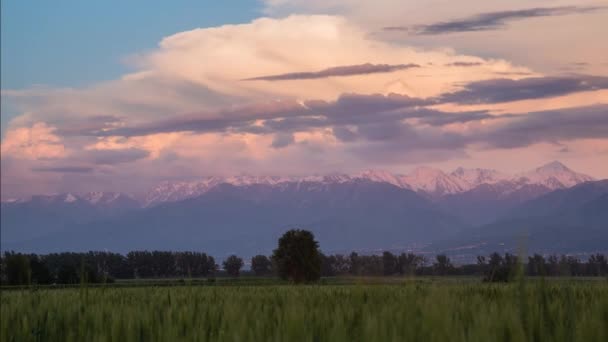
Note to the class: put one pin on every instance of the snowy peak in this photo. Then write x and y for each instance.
(433, 182)
(175, 191)
(554, 175)
(69, 198)
(425, 180)
(107, 199)
(54, 198)
(476, 177)
(553, 166)
(382, 177)
(429, 181)
(97, 199)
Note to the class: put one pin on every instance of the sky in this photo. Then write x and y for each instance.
(121, 95)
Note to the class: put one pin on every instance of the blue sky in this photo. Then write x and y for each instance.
(74, 43)
(71, 43)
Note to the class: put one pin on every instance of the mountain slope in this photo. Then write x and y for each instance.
(488, 202)
(563, 221)
(497, 194)
(42, 215)
(432, 183)
(554, 175)
(248, 219)
(561, 201)
(372, 209)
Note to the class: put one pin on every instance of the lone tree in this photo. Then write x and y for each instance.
(233, 265)
(443, 265)
(261, 265)
(298, 258)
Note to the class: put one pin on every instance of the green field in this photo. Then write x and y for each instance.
(399, 310)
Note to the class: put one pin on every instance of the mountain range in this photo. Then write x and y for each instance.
(371, 210)
(569, 221)
(429, 182)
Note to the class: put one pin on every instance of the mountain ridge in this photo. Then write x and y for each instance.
(429, 182)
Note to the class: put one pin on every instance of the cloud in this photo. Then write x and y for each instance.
(549, 126)
(491, 20)
(184, 111)
(442, 119)
(271, 49)
(344, 133)
(64, 169)
(506, 90)
(282, 140)
(464, 64)
(278, 115)
(549, 48)
(38, 141)
(115, 156)
(348, 70)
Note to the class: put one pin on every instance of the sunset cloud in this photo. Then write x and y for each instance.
(340, 71)
(507, 90)
(491, 20)
(298, 94)
(64, 169)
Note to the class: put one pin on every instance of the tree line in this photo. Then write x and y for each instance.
(297, 258)
(97, 267)
(495, 267)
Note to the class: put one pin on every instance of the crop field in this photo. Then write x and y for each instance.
(414, 310)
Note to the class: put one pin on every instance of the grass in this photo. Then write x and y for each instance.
(399, 310)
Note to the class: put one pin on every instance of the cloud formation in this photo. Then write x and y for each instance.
(506, 90)
(550, 126)
(340, 71)
(464, 64)
(115, 156)
(64, 169)
(282, 140)
(174, 117)
(491, 20)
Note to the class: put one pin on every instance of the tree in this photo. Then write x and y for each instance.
(233, 265)
(553, 265)
(408, 263)
(40, 273)
(297, 257)
(340, 264)
(355, 264)
(443, 265)
(389, 263)
(501, 269)
(67, 274)
(597, 265)
(537, 265)
(18, 271)
(261, 265)
(371, 265)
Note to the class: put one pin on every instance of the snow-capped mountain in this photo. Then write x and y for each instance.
(492, 194)
(430, 182)
(433, 182)
(554, 175)
(100, 197)
(382, 176)
(376, 209)
(176, 191)
(48, 199)
(476, 177)
(95, 199)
